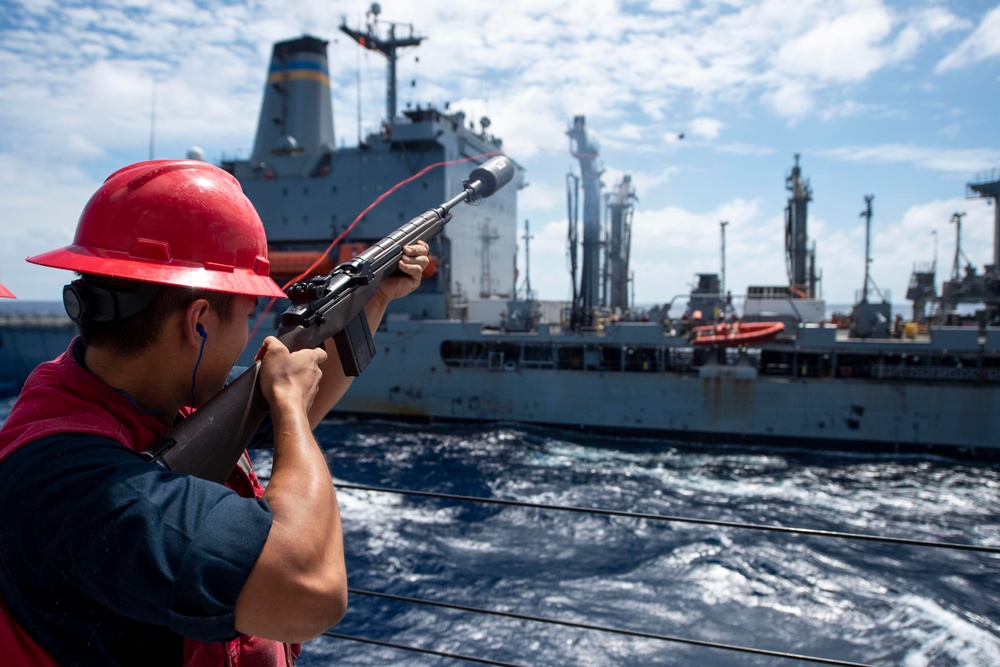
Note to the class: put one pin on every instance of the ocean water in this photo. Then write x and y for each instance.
(847, 600)
(838, 599)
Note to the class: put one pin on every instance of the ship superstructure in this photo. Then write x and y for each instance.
(308, 192)
(967, 285)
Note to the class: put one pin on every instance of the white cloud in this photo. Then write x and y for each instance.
(792, 100)
(848, 47)
(958, 160)
(706, 128)
(982, 44)
(36, 221)
(851, 108)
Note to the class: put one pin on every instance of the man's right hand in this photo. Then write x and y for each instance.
(289, 379)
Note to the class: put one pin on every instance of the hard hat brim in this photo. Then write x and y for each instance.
(121, 265)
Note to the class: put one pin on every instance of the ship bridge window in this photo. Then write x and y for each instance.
(537, 355)
(570, 357)
(612, 357)
(465, 354)
(508, 355)
(642, 360)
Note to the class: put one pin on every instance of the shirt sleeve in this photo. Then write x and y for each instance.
(144, 543)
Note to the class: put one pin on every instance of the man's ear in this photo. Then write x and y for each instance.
(195, 317)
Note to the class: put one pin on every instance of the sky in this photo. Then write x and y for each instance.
(892, 98)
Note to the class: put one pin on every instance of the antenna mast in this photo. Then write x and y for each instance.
(867, 215)
(620, 209)
(527, 261)
(796, 233)
(722, 282)
(371, 40)
(956, 267)
(585, 150)
(488, 237)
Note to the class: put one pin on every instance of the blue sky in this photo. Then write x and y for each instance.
(892, 98)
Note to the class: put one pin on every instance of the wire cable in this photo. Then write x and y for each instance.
(617, 631)
(680, 519)
(417, 649)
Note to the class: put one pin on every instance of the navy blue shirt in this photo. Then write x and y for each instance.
(108, 559)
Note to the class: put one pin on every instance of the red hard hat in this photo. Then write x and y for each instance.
(6, 293)
(172, 222)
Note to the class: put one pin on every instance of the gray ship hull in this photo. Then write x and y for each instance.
(670, 393)
(27, 340)
(730, 402)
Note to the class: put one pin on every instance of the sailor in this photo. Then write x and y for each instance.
(107, 559)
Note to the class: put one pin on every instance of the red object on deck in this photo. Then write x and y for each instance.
(734, 334)
(286, 265)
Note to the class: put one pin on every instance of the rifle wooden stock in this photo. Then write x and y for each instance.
(209, 443)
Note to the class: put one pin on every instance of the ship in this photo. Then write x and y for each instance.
(474, 344)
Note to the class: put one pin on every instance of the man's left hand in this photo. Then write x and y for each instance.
(411, 266)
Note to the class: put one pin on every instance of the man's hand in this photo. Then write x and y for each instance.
(411, 266)
(289, 379)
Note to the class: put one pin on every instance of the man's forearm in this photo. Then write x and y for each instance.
(298, 588)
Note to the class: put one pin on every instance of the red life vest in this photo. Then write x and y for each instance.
(61, 396)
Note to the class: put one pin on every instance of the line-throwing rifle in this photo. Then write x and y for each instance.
(209, 443)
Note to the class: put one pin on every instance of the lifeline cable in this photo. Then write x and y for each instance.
(632, 633)
(680, 519)
(417, 649)
(618, 631)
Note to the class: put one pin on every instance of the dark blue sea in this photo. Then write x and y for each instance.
(838, 599)
(833, 598)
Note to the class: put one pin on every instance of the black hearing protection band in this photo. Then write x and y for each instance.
(83, 300)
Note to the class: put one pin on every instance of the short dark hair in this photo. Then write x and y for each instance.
(131, 335)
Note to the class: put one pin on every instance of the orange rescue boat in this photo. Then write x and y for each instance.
(735, 334)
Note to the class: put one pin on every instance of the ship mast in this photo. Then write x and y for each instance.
(722, 278)
(620, 209)
(585, 150)
(867, 215)
(956, 274)
(387, 46)
(528, 295)
(796, 236)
